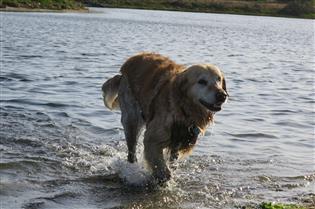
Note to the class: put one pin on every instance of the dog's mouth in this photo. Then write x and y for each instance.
(212, 107)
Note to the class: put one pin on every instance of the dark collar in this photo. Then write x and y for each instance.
(194, 130)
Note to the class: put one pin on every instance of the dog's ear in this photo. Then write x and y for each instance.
(181, 84)
(224, 86)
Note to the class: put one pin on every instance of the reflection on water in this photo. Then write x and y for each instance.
(60, 148)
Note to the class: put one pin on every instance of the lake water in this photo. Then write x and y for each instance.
(60, 148)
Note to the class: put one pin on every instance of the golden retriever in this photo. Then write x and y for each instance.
(174, 103)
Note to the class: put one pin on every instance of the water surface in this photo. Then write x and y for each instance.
(60, 148)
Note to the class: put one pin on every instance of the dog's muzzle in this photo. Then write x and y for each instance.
(212, 107)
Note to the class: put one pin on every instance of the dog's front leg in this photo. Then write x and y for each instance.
(154, 142)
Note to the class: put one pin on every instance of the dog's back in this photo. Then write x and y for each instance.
(147, 73)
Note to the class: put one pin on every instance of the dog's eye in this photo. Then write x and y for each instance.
(202, 82)
(219, 79)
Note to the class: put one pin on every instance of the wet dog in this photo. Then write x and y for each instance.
(173, 102)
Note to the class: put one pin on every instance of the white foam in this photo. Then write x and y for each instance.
(133, 174)
(104, 160)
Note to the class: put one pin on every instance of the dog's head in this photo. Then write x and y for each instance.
(205, 85)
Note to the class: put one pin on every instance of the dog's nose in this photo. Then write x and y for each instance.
(221, 96)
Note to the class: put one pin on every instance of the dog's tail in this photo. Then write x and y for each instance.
(110, 92)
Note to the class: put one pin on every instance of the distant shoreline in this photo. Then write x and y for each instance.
(23, 9)
(207, 11)
(275, 8)
(85, 9)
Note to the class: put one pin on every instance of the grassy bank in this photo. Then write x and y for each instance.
(41, 5)
(288, 8)
(271, 205)
(281, 206)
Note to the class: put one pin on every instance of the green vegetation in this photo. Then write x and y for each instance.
(280, 206)
(299, 7)
(42, 4)
(289, 8)
(293, 8)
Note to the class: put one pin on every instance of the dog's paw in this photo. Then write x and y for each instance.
(162, 176)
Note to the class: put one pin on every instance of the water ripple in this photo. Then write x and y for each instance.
(254, 135)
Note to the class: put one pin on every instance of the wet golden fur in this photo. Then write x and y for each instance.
(160, 90)
(157, 86)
